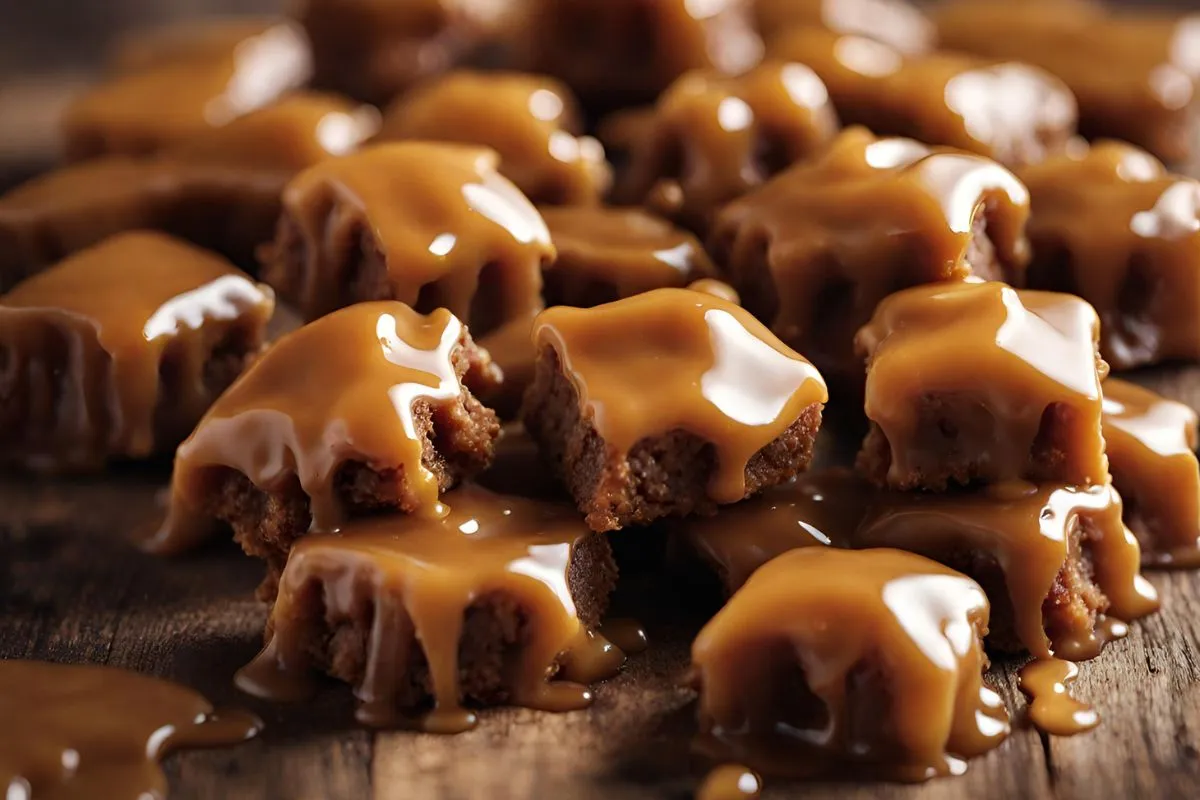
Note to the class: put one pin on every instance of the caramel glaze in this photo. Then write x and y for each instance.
(1041, 539)
(1051, 707)
(431, 225)
(716, 288)
(219, 189)
(715, 137)
(117, 351)
(897, 23)
(1112, 226)
(418, 577)
(815, 249)
(1151, 443)
(818, 509)
(149, 110)
(674, 359)
(1012, 112)
(89, 731)
(203, 40)
(926, 348)
(730, 782)
(806, 672)
(1133, 75)
(531, 121)
(344, 389)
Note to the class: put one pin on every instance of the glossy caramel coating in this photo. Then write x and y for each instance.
(530, 120)
(1111, 225)
(150, 110)
(980, 382)
(815, 249)
(1041, 552)
(897, 23)
(1011, 112)
(714, 137)
(90, 731)
(111, 353)
(419, 578)
(1151, 443)
(832, 659)
(1052, 709)
(430, 225)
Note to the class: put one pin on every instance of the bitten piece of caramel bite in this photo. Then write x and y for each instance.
(116, 352)
(666, 404)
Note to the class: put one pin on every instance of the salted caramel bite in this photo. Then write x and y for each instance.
(496, 603)
(714, 137)
(831, 660)
(982, 383)
(814, 250)
(431, 225)
(1057, 563)
(1011, 112)
(368, 409)
(1151, 443)
(668, 403)
(116, 352)
(532, 121)
(897, 23)
(149, 110)
(1114, 227)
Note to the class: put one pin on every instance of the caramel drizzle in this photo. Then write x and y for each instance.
(90, 731)
(674, 359)
(1052, 709)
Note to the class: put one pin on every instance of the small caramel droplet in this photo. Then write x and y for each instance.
(1052, 708)
(730, 782)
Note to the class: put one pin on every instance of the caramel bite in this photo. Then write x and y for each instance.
(119, 350)
(897, 23)
(713, 137)
(982, 383)
(496, 603)
(814, 250)
(1012, 112)
(1114, 227)
(530, 120)
(832, 660)
(367, 409)
(430, 225)
(197, 40)
(666, 404)
(1151, 443)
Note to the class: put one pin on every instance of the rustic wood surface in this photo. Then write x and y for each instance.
(72, 589)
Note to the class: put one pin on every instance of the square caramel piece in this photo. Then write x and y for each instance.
(116, 352)
(981, 383)
(668, 403)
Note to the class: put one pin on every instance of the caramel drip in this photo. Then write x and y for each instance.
(1052, 709)
(674, 359)
(418, 576)
(1150, 443)
(825, 234)
(89, 341)
(894, 22)
(1028, 531)
(627, 635)
(531, 121)
(1038, 350)
(730, 782)
(1011, 112)
(195, 41)
(715, 137)
(446, 225)
(818, 509)
(799, 618)
(89, 731)
(1112, 226)
(607, 254)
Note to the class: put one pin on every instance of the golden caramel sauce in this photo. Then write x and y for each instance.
(88, 342)
(718, 289)
(531, 121)
(897, 23)
(1113, 226)
(1052, 709)
(627, 635)
(443, 222)
(1012, 112)
(419, 576)
(730, 782)
(1038, 351)
(814, 250)
(674, 359)
(100, 732)
(804, 672)
(1151, 443)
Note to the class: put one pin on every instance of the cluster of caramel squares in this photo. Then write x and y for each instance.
(838, 212)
